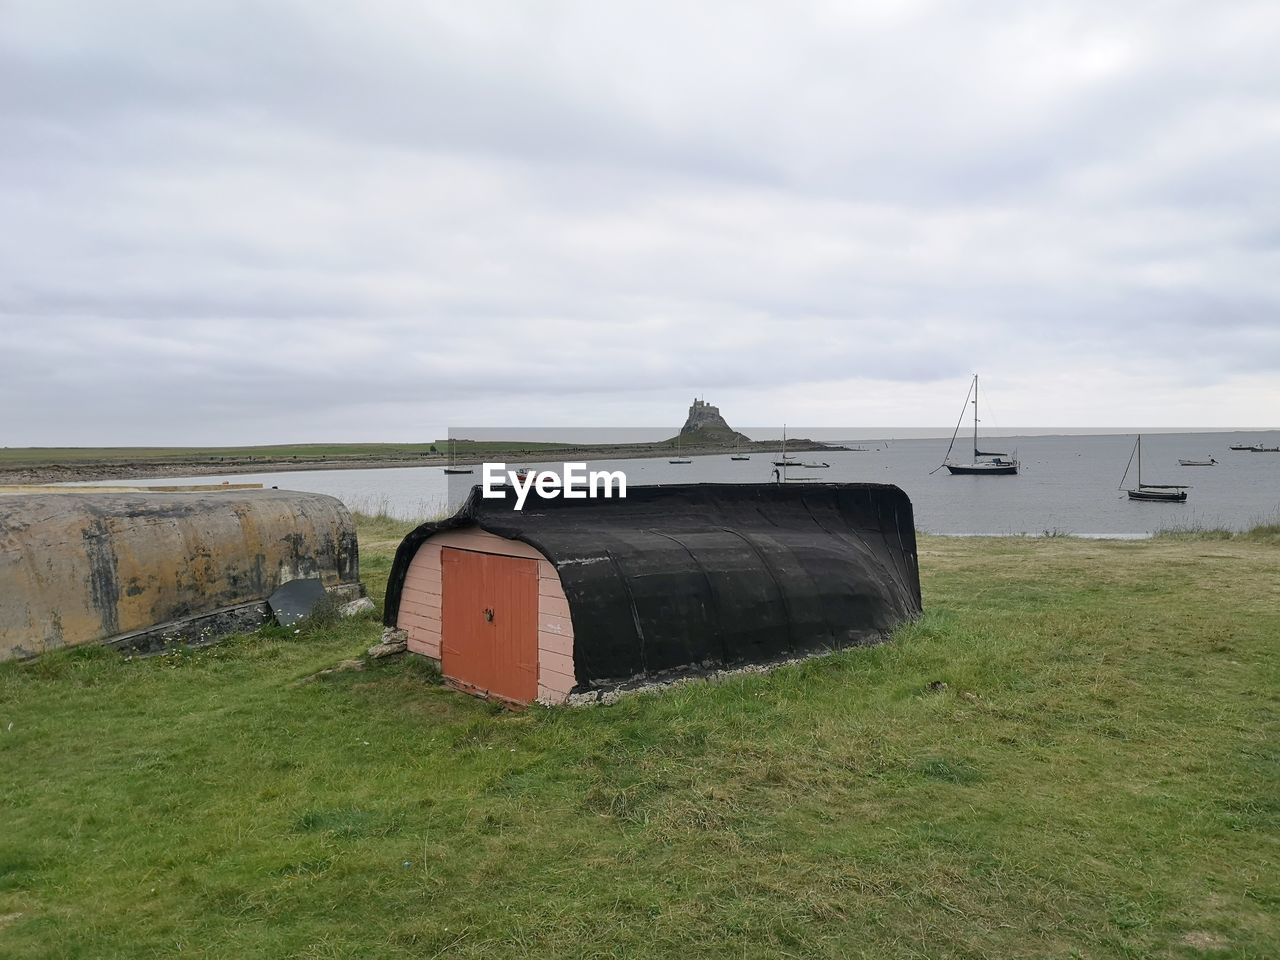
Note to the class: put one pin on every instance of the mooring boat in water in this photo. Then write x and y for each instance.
(453, 466)
(1196, 463)
(783, 460)
(1160, 492)
(984, 463)
(677, 458)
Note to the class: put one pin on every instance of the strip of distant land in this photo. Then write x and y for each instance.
(34, 465)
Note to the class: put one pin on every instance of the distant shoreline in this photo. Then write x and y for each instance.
(70, 465)
(142, 468)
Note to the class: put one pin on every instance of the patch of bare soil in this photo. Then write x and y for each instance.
(1205, 941)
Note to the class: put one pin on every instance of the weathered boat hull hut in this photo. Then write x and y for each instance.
(574, 595)
(142, 569)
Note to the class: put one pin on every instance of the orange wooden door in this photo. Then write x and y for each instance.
(489, 623)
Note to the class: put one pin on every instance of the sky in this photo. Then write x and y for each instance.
(240, 222)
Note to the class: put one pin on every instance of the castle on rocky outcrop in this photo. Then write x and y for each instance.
(705, 425)
(705, 428)
(703, 414)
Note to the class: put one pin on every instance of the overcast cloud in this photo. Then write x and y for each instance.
(259, 222)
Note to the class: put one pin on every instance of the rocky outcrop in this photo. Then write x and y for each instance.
(706, 431)
(704, 425)
(703, 414)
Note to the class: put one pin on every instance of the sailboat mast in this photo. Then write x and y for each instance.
(975, 418)
(1139, 461)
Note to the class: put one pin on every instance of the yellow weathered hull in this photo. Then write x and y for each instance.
(80, 568)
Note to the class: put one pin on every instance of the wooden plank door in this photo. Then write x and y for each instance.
(489, 623)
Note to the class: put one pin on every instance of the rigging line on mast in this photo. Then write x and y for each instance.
(1127, 466)
(991, 415)
(963, 410)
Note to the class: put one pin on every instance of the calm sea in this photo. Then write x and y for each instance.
(1068, 484)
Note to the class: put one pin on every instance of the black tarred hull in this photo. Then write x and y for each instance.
(689, 577)
(982, 471)
(1161, 496)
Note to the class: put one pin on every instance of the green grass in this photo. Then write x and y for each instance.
(53, 459)
(14, 457)
(1074, 754)
(380, 534)
(28, 456)
(1261, 533)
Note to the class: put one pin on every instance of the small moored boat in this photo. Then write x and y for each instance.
(1196, 463)
(677, 458)
(453, 466)
(783, 460)
(1158, 493)
(1155, 492)
(984, 463)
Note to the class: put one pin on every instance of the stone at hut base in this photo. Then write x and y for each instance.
(393, 641)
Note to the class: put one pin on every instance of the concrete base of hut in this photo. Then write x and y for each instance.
(656, 683)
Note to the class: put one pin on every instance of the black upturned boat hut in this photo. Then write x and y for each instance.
(571, 595)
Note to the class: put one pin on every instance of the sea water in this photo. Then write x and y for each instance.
(1067, 484)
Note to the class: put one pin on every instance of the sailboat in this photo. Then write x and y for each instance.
(783, 460)
(995, 464)
(1162, 492)
(677, 458)
(737, 450)
(453, 462)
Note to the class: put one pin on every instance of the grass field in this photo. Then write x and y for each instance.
(1074, 754)
(72, 456)
(54, 461)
